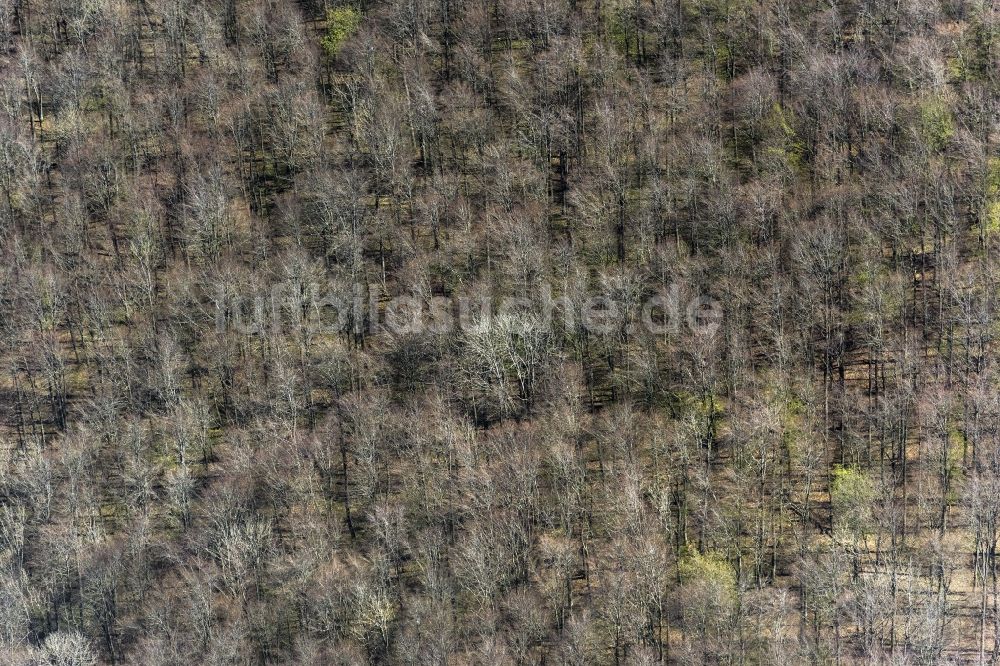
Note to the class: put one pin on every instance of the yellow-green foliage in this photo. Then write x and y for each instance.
(708, 406)
(794, 406)
(723, 56)
(868, 274)
(702, 406)
(47, 298)
(875, 302)
(726, 53)
(937, 125)
(975, 52)
(851, 486)
(853, 493)
(617, 28)
(993, 177)
(791, 149)
(956, 68)
(694, 9)
(709, 569)
(992, 205)
(956, 445)
(341, 23)
(992, 217)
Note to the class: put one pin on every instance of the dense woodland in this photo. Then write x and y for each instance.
(815, 482)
